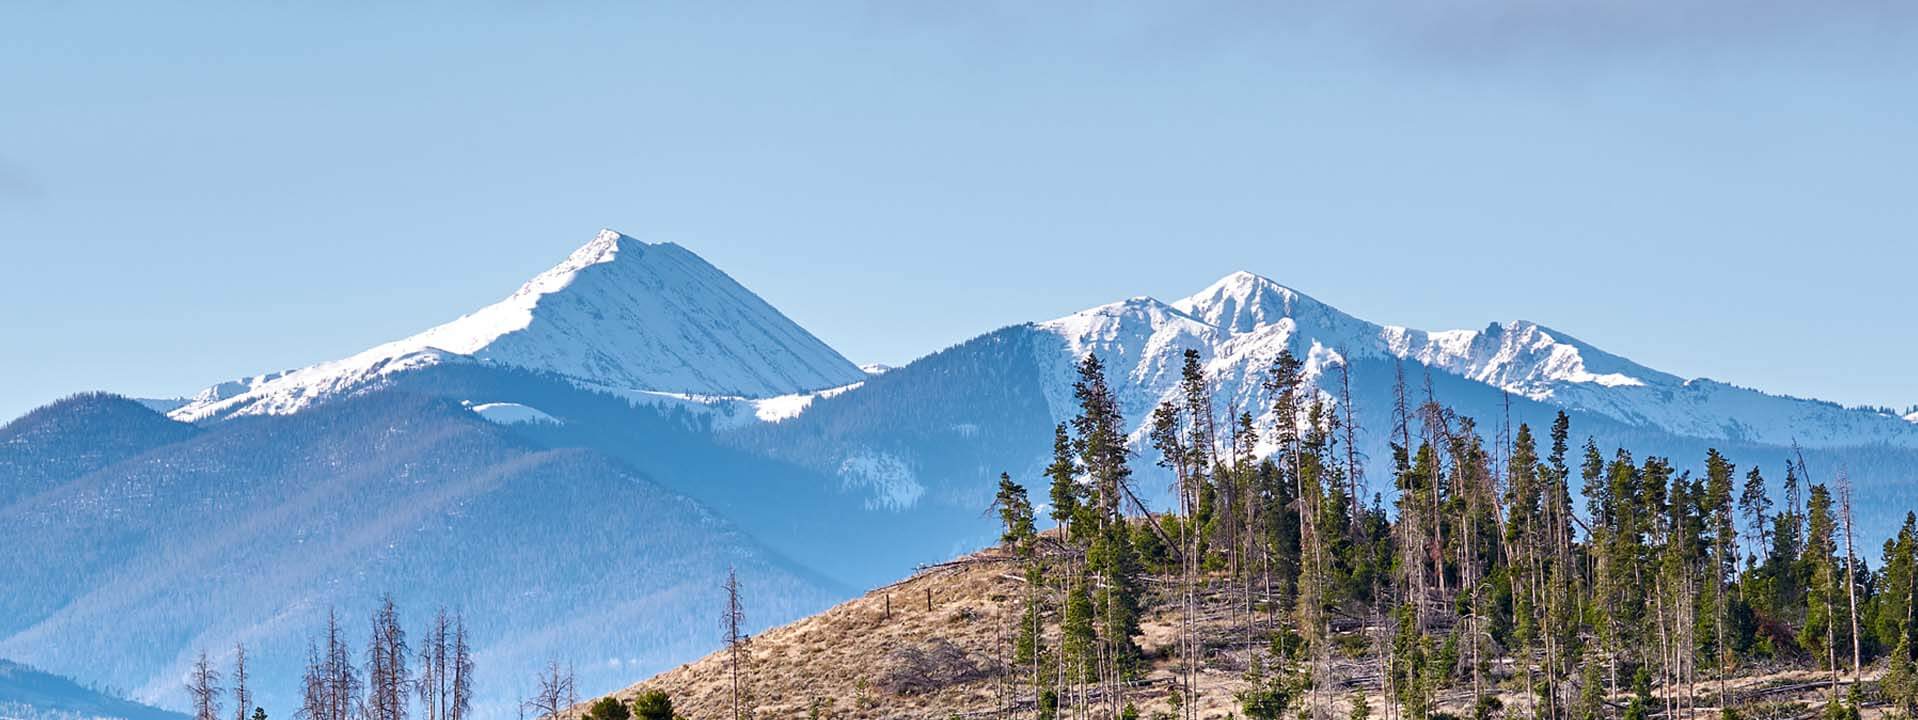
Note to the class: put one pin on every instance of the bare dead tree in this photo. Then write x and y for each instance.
(387, 678)
(433, 683)
(1354, 473)
(462, 670)
(556, 693)
(242, 696)
(1851, 577)
(313, 704)
(342, 681)
(203, 685)
(732, 621)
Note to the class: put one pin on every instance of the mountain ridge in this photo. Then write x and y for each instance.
(616, 313)
(1240, 322)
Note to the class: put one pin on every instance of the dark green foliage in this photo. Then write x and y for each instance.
(608, 708)
(1015, 515)
(652, 705)
(1266, 699)
(1640, 706)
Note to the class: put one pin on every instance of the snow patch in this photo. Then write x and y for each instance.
(507, 413)
(787, 407)
(890, 479)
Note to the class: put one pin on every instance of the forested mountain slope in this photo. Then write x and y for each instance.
(941, 428)
(1271, 589)
(75, 436)
(250, 530)
(29, 694)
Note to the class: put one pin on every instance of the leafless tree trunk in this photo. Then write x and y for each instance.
(242, 696)
(387, 678)
(462, 672)
(555, 693)
(433, 684)
(204, 687)
(1851, 578)
(732, 621)
(342, 684)
(312, 686)
(1354, 473)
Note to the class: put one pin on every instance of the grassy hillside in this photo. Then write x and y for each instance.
(938, 645)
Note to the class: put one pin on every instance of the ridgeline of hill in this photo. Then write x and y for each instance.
(939, 644)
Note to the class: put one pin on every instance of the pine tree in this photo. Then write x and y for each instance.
(1180, 431)
(1718, 503)
(1100, 440)
(1757, 508)
(1820, 634)
(1016, 517)
(1894, 622)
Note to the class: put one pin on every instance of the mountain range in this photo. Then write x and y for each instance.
(576, 467)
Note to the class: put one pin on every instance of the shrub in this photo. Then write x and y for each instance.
(608, 708)
(653, 705)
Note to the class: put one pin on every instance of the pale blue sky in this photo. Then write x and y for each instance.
(201, 191)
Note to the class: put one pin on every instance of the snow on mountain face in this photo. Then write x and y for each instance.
(508, 413)
(1241, 323)
(617, 313)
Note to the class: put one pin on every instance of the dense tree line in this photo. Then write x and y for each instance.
(1645, 593)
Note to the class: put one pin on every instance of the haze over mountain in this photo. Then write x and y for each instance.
(575, 466)
(29, 694)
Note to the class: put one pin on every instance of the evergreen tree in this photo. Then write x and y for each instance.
(1756, 505)
(653, 705)
(1718, 504)
(1820, 634)
(608, 708)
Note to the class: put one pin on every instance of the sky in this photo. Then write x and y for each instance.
(193, 192)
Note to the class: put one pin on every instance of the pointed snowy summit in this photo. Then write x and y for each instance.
(617, 313)
(1242, 301)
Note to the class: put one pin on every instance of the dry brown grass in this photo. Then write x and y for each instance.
(846, 658)
(890, 654)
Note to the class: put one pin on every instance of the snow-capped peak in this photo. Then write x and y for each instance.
(1241, 322)
(1242, 302)
(617, 313)
(1521, 356)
